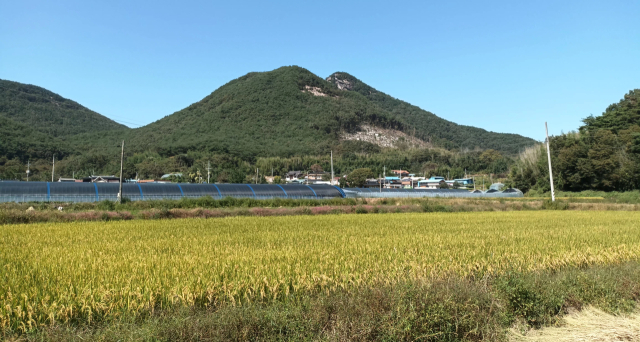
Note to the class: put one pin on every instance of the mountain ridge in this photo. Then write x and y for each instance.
(429, 125)
(48, 112)
(285, 112)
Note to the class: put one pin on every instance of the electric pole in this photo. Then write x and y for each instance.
(384, 175)
(53, 169)
(208, 170)
(257, 175)
(28, 171)
(121, 162)
(553, 195)
(331, 168)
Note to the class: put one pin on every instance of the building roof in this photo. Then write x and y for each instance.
(177, 174)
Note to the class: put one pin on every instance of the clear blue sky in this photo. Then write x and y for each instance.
(504, 66)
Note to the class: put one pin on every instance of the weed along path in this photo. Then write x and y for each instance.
(61, 273)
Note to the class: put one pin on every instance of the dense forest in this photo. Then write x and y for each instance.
(283, 120)
(604, 154)
(49, 113)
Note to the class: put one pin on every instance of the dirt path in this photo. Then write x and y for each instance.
(587, 325)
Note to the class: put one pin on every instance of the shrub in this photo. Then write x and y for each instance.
(106, 205)
(557, 205)
(361, 210)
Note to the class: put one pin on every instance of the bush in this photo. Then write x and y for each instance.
(361, 210)
(557, 205)
(106, 205)
(429, 207)
(528, 301)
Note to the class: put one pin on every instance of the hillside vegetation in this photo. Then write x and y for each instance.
(430, 127)
(49, 113)
(603, 155)
(279, 116)
(290, 111)
(268, 113)
(18, 140)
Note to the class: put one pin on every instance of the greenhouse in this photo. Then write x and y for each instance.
(396, 193)
(93, 192)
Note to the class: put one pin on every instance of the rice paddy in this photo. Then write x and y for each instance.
(64, 273)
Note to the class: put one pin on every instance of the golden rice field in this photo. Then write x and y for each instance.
(88, 271)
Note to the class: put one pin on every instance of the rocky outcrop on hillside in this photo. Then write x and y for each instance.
(341, 83)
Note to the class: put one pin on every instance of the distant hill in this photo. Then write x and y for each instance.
(49, 113)
(285, 112)
(291, 111)
(430, 127)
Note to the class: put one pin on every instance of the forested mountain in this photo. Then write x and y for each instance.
(428, 126)
(282, 114)
(23, 142)
(285, 112)
(290, 111)
(603, 155)
(49, 113)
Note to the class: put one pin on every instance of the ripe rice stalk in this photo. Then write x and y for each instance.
(59, 273)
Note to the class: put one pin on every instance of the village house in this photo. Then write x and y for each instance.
(401, 173)
(293, 176)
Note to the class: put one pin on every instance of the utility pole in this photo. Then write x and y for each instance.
(121, 163)
(256, 175)
(384, 175)
(553, 194)
(53, 169)
(331, 168)
(28, 171)
(380, 183)
(208, 170)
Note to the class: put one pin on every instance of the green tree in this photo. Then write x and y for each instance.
(358, 177)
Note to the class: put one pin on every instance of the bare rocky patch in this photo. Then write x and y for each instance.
(384, 137)
(314, 90)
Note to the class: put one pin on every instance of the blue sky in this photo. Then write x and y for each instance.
(503, 66)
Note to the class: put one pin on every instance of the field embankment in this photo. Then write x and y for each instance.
(474, 273)
(207, 207)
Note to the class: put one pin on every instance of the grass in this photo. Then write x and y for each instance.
(11, 213)
(92, 272)
(632, 197)
(448, 309)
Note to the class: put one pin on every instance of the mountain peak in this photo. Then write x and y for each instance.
(342, 80)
